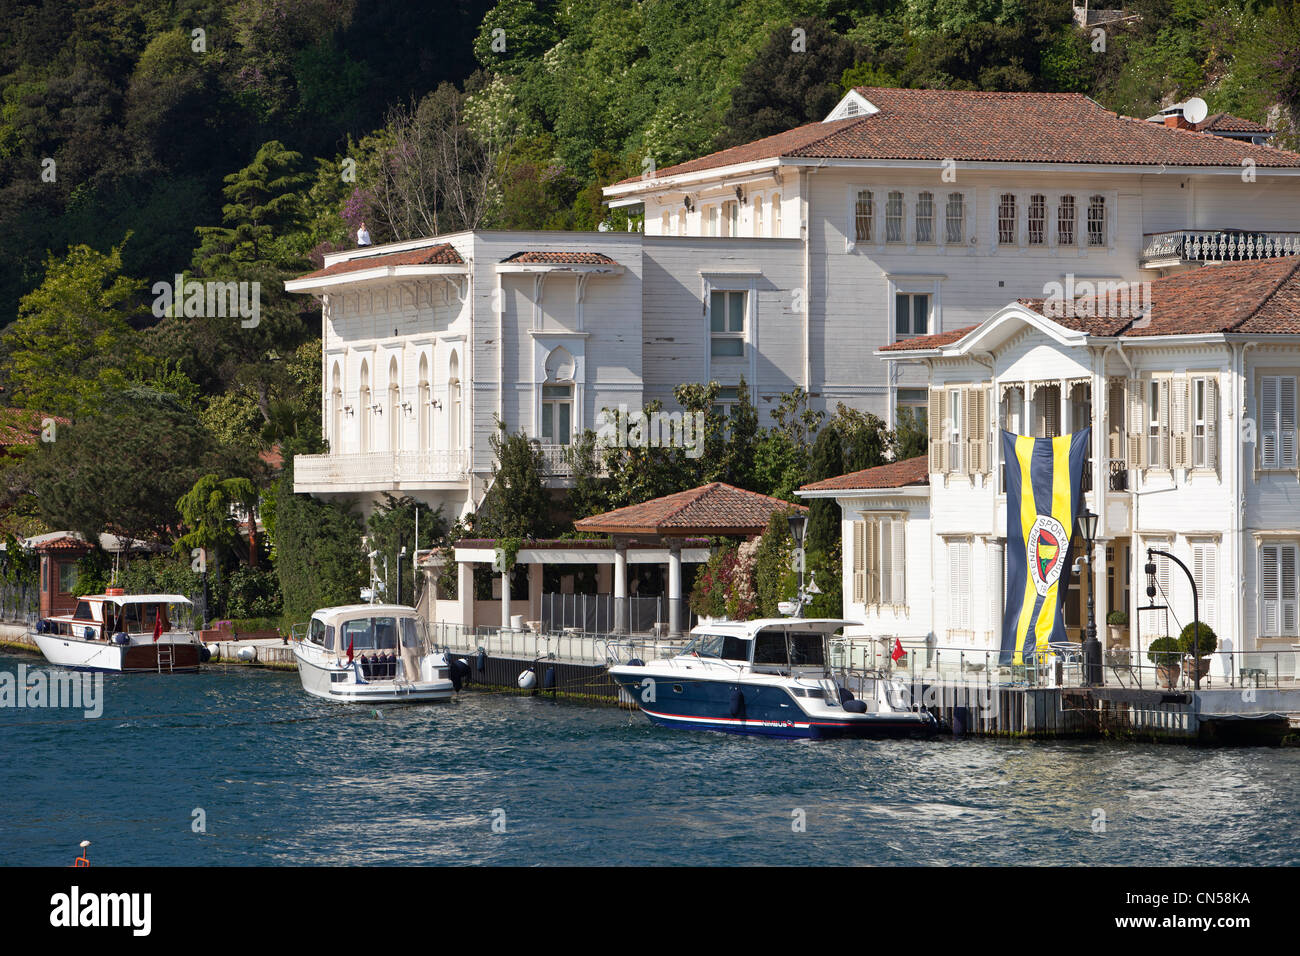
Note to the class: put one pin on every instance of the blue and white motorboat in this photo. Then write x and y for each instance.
(770, 677)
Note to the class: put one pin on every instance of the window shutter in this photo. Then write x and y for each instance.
(897, 563)
(970, 421)
(996, 586)
(1115, 402)
(884, 588)
(1212, 423)
(1205, 573)
(1287, 586)
(938, 446)
(1268, 436)
(1180, 441)
(1268, 589)
(978, 429)
(959, 584)
(1137, 442)
(1286, 421)
(859, 561)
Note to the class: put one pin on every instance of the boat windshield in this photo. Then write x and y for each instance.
(719, 646)
(382, 634)
(807, 649)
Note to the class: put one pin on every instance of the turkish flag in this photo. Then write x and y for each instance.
(157, 625)
(349, 651)
(897, 651)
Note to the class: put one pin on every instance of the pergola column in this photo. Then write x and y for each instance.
(674, 589)
(620, 588)
(505, 599)
(465, 592)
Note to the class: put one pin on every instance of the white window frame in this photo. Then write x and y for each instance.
(913, 284)
(1007, 227)
(895, 217)
(960, 592)
(921, 199)
(1276, 440)
(1098, 226)
(1280, 620)
(880, 560)
(1064, 202)
(963, 216)
(727, 333)
(1036, 231)
(553, 404)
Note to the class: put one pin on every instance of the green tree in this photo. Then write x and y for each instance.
(206, 510)
(794, 79)
(72, 341)
(826, 461)
(318, 552)
(516, 505)
(124, 468)
(391, 527)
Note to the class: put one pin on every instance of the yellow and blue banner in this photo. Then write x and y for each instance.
(1044, 495)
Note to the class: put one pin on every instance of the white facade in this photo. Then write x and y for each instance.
(1194, 452)
(786, 272)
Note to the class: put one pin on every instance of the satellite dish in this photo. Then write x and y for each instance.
(1195, 110)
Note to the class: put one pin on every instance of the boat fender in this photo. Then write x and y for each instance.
(527, 680)
(205, 655)
(121, 639)
(846, 695)
(247, 654)
(40, 627)
(636, 662)
(90, 633)
(548, 683)
(855, 706)
(481, 659)
(214, 651)
(737, 702)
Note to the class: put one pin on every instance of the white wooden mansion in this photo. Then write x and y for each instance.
(1193, 406)
(789, 261)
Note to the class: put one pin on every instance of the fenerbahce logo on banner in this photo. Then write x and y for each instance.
(1046, 552)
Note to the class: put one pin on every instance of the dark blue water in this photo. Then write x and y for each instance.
(285, 779)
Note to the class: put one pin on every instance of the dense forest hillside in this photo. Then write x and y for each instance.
(142, 139)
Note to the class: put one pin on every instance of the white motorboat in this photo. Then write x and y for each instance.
(372, 654)
(129, 633)
(769, 677)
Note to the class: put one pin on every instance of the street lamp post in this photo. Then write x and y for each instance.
(798, 527)
(1091, 646)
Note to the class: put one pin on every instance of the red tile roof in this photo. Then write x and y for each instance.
(443, 254)
(1256, 298)
(937, 340)
(23, 426)
(1227, 123)
(562, 258)
(897, 474)
(712, 509)
(993, 127)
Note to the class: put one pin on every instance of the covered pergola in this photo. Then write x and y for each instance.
(713, 510)
(666, 531)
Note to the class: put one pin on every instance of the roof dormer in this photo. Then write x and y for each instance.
(853, 104)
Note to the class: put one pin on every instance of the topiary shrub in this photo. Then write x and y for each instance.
(1207, 643)
(1164, 651)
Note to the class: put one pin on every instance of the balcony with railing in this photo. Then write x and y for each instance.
(378, 469)
(1216, 245)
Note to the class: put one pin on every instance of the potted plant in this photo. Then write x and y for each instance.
(1199, 646)
(1117, 628)
(1165, 653)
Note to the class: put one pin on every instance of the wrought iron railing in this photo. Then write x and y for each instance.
(1221, 245)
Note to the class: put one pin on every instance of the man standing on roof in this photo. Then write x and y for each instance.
(363, 237)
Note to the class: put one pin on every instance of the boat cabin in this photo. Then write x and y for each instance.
(376, 634)
(98, 617)
(783, 646)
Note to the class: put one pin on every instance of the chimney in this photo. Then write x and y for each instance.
(1177, 121)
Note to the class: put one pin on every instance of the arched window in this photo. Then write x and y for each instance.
(424, 398)
(336, 410)
(364, 410)
(453, 403)
(394, 406)
(776, 215)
